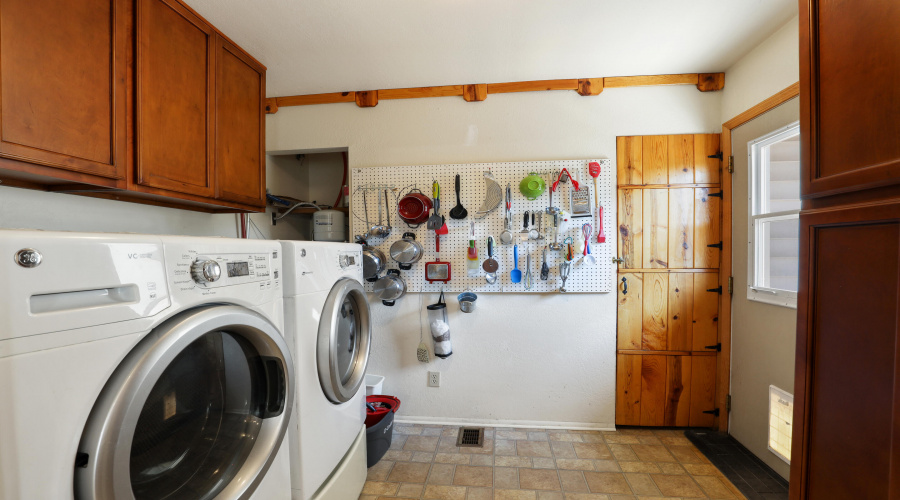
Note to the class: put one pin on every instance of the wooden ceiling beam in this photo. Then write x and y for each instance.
(705, 82)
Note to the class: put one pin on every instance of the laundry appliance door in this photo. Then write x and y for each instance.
(342, 350)
(196, 410)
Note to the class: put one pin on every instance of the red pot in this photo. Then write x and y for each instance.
(414, 207)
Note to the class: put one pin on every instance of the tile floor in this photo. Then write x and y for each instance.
(539, 464)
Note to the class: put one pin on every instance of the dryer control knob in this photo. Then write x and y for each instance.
(206, 271)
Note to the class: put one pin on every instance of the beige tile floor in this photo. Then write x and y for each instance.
(539, 464)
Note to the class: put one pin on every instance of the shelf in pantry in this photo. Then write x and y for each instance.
(309, 210)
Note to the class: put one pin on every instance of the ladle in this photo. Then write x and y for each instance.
(459, 211)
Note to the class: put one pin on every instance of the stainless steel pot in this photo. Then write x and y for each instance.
(374, 261)
(390, 287)
(407, 251)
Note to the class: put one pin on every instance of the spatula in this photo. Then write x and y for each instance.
(515, 275)
(435, 221)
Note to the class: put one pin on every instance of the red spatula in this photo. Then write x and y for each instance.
(594, 170)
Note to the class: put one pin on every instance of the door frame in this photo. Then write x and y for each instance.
(723, 371)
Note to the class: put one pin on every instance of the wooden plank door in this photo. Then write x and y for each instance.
(669, 246)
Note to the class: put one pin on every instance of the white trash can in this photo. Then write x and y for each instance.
(374, 384)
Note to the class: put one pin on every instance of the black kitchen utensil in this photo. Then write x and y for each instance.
(459, 211)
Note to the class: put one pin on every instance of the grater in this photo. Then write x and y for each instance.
(580, 201)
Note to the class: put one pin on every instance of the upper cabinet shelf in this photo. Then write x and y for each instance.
(143, 98)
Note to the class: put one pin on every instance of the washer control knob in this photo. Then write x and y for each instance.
(206, 271)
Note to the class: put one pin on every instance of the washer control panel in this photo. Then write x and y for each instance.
(206, 271)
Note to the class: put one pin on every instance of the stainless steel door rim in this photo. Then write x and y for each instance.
(346, 306)
(106, 444)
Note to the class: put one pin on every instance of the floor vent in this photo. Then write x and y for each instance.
(470, 436)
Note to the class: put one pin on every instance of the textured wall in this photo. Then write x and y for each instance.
(542, 359)
(28, 209)
(767, 68)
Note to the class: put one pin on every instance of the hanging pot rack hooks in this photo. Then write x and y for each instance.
(371, 187)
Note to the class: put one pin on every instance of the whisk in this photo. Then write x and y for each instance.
(586, 231)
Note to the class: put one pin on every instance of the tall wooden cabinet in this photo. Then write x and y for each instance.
(143, 98)
(846, 443)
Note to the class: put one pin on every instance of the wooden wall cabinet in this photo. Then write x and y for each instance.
(63, 90)
(163, 106)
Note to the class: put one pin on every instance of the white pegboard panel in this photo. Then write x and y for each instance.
(583, 278)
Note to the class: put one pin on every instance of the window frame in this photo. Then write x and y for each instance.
(758, 193)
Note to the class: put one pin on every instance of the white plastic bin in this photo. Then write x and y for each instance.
(374, 384)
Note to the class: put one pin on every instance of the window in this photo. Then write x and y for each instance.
(774, 253)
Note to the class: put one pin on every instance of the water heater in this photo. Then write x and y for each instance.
(329, 225)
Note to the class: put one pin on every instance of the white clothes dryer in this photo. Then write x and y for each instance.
(142, 367)
(328, 326)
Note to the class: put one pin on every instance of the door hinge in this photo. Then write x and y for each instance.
(717, 289)
(716, 195)
(717, 155)
(617, 260)
(731, 164)
(717, 347)
(728, 403)
(731, 285)
(713, 412)
(715, 245)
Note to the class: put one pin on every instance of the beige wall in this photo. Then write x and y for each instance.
(763, 336)
(533, 359)
(767, 68)
(28, 209)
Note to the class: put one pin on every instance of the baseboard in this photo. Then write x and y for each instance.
(530, 424)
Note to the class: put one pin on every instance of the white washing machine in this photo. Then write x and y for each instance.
(137, 367)
(328, 326)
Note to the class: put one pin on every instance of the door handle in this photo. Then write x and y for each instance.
(624, 286)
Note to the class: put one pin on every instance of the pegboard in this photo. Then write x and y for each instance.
(583, 277)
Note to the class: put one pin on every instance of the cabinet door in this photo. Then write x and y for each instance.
(62, 84)
(850, 65)
(175, 99)
(240, 122)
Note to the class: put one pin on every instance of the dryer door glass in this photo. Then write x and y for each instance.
(343, 343)
(200, 420)
(198, 409)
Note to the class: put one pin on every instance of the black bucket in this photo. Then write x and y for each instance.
(378, 439)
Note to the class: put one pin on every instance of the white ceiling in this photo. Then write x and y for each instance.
(313, 46)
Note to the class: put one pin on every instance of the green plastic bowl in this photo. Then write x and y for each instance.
(532, 186)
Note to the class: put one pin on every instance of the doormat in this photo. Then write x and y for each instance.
(755, 479)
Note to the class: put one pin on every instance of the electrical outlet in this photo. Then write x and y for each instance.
(434, 379)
